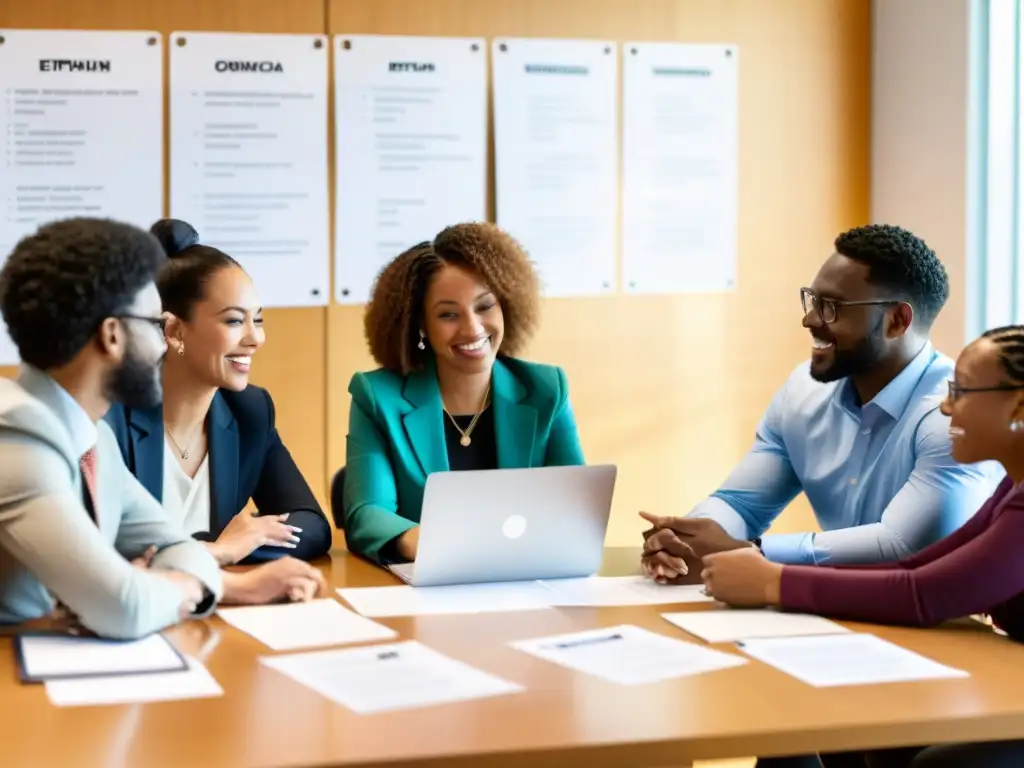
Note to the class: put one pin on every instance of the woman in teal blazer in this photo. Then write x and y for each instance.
(443, 321)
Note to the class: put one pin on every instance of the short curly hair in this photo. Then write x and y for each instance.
(61, 283)
(393, 315)
(902, 263)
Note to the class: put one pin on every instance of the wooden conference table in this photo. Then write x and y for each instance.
(562, 719)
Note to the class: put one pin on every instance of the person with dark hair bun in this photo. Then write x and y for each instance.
(212, 446)
(77, 531)
(978, 569)
(444, 322)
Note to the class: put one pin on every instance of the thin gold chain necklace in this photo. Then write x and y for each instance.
(466, 433)
(183, 453)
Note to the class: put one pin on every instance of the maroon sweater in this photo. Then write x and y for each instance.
(979, 568)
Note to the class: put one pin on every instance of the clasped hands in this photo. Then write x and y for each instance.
(693, 550)
(283, 579)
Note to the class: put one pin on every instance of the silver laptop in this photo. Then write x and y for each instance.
(511, 525)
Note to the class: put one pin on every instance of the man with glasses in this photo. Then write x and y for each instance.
(857, 429)
(77, 530)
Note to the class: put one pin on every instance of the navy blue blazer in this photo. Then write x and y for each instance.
(247, 461)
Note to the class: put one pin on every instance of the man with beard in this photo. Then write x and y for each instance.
(858, 430)
(76, 528)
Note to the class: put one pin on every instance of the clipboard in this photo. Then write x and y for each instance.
(55, 656)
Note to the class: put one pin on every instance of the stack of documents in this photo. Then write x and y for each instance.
(305, 625)
(728, 626)
(382, 678)
(43, 657)
(82, 671)
(194, 683)
(628, 655)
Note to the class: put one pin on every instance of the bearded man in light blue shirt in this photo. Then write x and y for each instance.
(857, 428)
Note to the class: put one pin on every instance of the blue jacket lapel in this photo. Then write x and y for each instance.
(146, 453)
(424, 426)
(222, 439)
(515, 423)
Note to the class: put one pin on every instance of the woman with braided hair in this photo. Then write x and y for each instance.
(977, 569)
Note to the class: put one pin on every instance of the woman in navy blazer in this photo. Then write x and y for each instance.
(212, 446)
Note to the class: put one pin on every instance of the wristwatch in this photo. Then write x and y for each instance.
(756, 543)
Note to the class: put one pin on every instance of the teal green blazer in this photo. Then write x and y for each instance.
(396, 438)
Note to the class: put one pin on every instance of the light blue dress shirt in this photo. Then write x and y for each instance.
(879, 477)
(80, 426)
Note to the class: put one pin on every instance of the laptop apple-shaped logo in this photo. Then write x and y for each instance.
(514, 527)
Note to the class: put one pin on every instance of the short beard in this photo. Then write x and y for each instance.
(868, 353)
(135, 383)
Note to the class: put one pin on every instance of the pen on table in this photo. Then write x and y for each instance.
(587, 641)
(385, 655)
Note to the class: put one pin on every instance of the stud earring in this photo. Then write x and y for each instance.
(181, 348)
(421, 345)
(1017, 426)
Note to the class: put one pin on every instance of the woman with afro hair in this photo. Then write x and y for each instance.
(444, 322)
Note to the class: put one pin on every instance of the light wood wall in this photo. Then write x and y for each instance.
(293, 364)
(670, 387)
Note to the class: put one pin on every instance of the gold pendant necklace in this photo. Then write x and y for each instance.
(466, 440)
(182, 453)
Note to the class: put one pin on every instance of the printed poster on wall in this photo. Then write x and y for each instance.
(680, 167)
(82, 122)
(557, 158)
(410, 147)
(249, 155)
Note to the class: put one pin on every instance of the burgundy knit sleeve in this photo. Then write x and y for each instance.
(976, 568)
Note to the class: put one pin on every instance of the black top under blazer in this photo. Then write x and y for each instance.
(247, 461)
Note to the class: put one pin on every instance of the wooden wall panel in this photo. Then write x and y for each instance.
(670, 388)
(292, 364)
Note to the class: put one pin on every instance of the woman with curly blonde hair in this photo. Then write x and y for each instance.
(444, 322)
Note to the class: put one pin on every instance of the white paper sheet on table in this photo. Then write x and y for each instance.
(727, 626)
(847, 659)
(387, 677)
(628, 655)
(195, 683)
(67, 656)
(467, 598)
(621, 590)
(305, 625)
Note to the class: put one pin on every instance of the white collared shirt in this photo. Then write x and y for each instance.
(186, 499)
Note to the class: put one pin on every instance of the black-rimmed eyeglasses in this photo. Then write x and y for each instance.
(956, 391)
(828, 309)
(157, 322)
